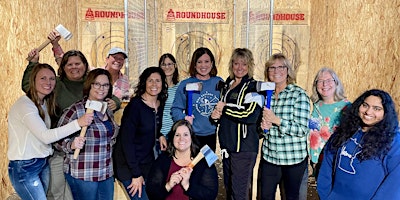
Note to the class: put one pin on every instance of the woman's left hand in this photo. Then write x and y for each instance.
(269, 116)
(185, 173)
(136, 186)
(163, 143)
(111, 104)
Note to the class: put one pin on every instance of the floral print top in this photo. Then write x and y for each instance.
(324, 119)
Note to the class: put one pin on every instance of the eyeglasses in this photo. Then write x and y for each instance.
(167, 64)
(276, 69)
(98, 85)
(325, 82)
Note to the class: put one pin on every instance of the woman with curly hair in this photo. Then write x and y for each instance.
(362, 157)
(140, 126)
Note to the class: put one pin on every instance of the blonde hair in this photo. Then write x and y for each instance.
(291, 78)
(247, 55)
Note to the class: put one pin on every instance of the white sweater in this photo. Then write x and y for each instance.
(28, 135)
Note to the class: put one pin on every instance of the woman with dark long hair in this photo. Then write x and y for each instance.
(140, 127)
(170, 178)
(168, 64)
(202, 70)
(362, 157)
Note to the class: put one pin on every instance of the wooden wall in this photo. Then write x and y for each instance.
(25, 25)
(358, 39)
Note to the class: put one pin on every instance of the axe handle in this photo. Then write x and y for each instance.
(196, 160)
(40, 48)
(190, 103)
(82, 134)
(268, 102)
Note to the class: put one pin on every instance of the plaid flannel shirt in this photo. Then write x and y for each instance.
(287, 144)
(94, 162)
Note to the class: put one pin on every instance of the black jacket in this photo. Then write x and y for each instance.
(240, 120)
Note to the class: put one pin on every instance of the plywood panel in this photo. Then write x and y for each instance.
(359, 40)
(25, 25)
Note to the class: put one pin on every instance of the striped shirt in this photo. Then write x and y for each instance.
(167, 119)
(287, 144)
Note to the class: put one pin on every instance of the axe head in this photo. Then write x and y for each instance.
(66, 34)
(264, 86)
(194, 86)
(96, 105)
(209, 155)
(220, 86)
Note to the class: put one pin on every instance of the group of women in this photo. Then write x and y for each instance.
(151, 151)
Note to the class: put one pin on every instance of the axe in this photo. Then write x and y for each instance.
(207, 153)
(90, 107)
(269, 87)
(66, 34)
(190, 88)
(222, 88)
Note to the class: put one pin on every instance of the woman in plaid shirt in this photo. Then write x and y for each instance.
(284, 148)
(90, 176)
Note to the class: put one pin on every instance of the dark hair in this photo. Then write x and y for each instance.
(141, 87)
(194, 147)
(32, 93)
(196, 55)
(377, 140)
(64, 61)
(175, 76)
(93, 74)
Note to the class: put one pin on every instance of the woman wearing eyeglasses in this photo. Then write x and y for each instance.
(284, 148)
(90, 176)
(168, 64)
(329, 101)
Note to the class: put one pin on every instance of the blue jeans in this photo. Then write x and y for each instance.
(136, 197)
(304, 186)
(91, 190)
(30, 178)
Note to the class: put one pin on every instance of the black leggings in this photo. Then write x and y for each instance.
(271, 176)
(210, 140)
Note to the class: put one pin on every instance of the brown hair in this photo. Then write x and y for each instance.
(194, 146)
(93, 74)
(196, 55)
(64, 61)
(175, 76)
(32, 93)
